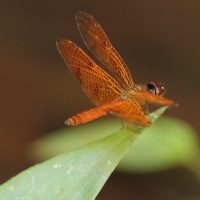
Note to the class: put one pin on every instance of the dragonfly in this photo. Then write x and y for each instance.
(121, 96)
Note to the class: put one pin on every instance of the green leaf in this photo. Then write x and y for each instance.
(167, 143)
(71, 138)
(78, 174)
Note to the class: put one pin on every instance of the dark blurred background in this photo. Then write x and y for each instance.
(159, 40)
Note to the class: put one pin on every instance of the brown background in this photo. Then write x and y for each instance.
(159, 40)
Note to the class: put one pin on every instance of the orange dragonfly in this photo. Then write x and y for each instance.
(127, 100)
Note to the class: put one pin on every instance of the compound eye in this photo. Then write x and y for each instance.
(155, 88)
(151, 88)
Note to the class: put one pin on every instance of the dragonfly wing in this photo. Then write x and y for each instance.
(99, 86)
(154, 99)
(97, 41)
(129, 111)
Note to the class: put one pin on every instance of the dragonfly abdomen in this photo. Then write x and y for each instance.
(86, 116)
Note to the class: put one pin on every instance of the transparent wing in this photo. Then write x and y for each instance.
(99, 86)
(97, 41)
